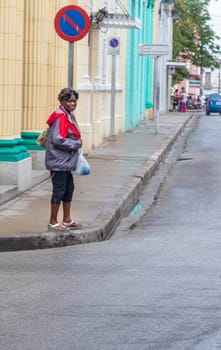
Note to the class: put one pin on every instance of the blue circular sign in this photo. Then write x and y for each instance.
(72, 23)
(114, 43)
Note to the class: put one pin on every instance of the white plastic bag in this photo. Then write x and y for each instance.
(82, 167)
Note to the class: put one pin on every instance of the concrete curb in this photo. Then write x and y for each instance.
(121, 206)
(7, 193)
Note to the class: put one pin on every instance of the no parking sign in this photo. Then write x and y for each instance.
(72, 23)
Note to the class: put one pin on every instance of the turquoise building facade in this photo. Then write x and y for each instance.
(139, 69)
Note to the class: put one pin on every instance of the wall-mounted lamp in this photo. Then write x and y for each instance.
(102, 19)
(98, 16)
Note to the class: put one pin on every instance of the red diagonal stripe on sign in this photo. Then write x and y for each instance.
(73, 24)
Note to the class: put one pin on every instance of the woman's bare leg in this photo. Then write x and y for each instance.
(54, 213)
(67, 212)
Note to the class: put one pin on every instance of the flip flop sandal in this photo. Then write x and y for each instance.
(57, 227)
(72, 225)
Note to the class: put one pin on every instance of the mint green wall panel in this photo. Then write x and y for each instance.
(149, 39)
(139, 74)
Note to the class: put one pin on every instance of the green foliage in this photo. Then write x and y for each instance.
(179, 75)
(193, 39)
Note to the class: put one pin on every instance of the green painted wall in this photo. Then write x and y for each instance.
(13, 150)
(139, 72)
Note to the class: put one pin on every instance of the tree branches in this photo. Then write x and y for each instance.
(193, 39)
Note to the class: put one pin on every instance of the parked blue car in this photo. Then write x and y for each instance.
(213, 103)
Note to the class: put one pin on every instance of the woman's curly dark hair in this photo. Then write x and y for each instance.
(66, 93)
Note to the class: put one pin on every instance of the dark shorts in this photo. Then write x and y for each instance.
(63, 186)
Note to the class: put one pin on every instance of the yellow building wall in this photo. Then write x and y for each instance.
(34, 68)
(11, 67)
(45, 62)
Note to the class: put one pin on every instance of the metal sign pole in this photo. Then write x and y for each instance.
(113, 91)
(156, 94)
(113, 50)
(71, 65)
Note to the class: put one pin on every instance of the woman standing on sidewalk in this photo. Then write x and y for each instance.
(183, 100)
(63, 142)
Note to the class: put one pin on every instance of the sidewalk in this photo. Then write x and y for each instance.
(119, 170)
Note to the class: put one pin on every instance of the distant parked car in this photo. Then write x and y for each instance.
(213, 103)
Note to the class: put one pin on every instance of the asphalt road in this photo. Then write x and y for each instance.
(156, 287)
